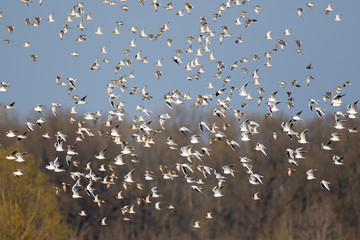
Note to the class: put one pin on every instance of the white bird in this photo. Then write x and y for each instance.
(101, 154)
(98, 31)
(268, 35)
(337, 160)
(335, 137)
(325, 185)
(217, 191)
(18, 173)
(260, 147)
(310, 174)
(119, 160)
(242, 91)
(196, 224)
(328, 8)
(76, 190)
(337, 17)
(195, 139)
(326, 146)
(128, 177)
(155, 193)
(352, 110)
(302, 137)
(19, 156)
(103, 223)
(320, 112)
(256, 196)
(255, 179)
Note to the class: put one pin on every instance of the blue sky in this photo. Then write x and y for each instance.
(331, 47)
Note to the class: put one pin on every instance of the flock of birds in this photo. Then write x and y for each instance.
(191, 156)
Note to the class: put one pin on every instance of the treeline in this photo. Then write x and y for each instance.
(290, 206)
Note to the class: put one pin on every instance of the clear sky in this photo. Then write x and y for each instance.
(330, 46)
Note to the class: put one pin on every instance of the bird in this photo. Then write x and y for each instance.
(18, 173)
(328, 8)
(98, 31)
(337, 18)
(310, 174)
(128, 177)
(325, 185)
(102, 222)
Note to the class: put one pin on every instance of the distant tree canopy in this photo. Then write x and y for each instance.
(28, 207)
(290, 207)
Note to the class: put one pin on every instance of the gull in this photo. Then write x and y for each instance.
(310, 5)
(170, 142)
(287, 32)
(30, 126)
(256, 196)
(335, 137)
(184, 129)
(149, 176)
(132, 43)
(302, 138)
(320, 112)
(217, 191)
(242, 91)
(300, 10)
(11, 156)
(119, 160)
(81, 101)
(232, 144)
(21, 136)
(11, 133)
(103, 223)
(337, 101)
(268, 64)
(337, 17)
(311, 103)
(299, 153)
(59, 146)
(4, 86)
(76, 190)
(310, 174)
(196, 224)
(326, 146)
(328, 8)
(325, 185)
(119, 196)
(338, 160)
(257, 8)
(197, 188)
(293, 162)
(155, 193)
(188, 7)
(19, 157)
(128, 177)
(33, 57)
(116, 31)
(54, 107)
(82, 213)
(296, 117)
(101, 155)
(227, 169)
(99, 30)
(18, 173)
(272, 97)
(58, 167)
(255, 179)
(208, 215)
(51, 19)
(352, 110)
(40, 121)
(10, 106)
(10, 29)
